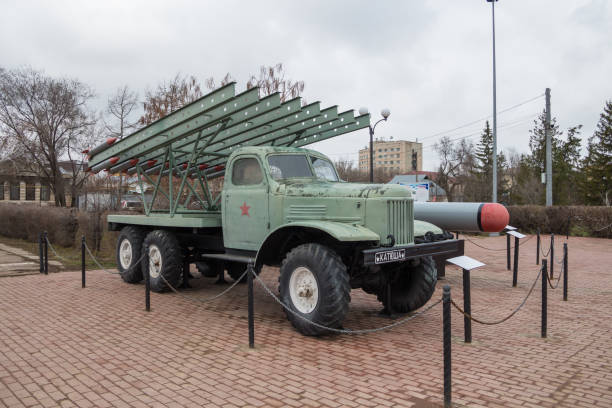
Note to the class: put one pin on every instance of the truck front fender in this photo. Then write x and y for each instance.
(285, 237)
(423, 227)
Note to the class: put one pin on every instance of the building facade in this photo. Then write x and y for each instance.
(20, 185)
(399, 156)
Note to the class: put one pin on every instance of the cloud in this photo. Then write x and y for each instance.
(429, 62)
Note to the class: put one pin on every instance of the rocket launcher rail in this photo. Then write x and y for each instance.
(200, 136)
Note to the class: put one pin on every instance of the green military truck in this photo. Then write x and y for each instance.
(280, 205)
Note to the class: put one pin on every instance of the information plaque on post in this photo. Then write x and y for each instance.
(508, 228)
(517, 236)
(467, 264)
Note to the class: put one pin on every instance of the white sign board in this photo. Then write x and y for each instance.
(516, 234)
(510, 228)
(465, 262)
(420, 191)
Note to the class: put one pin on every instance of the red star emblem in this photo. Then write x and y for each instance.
(245, 209)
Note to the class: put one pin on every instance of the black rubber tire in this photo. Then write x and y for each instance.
(171, 260)
(413, 287)
(133, 274)
(207, 269)
(333, 286)
(235, 270)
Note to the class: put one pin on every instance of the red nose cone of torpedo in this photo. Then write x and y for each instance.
(113, 160)
(111, 140)
(494, 217)
(151, 162)
(133, 162)
(203, 166)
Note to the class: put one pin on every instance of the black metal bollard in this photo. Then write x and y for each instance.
(46, 252)
(565, 262)
(40, 252)
(516, 261)
(446, 326)
(508, 250)
(544, 298)
(147, 280)
(538, 248)
(552, 254)
(457, 235)
(467, 307)
(250, 272)
(83, 261)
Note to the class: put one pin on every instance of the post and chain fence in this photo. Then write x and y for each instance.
(491, 323)
(251, 274)
(493, 249)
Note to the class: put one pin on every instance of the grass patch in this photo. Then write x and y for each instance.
(72, 255)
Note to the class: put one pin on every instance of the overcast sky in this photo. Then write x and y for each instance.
(429, 62)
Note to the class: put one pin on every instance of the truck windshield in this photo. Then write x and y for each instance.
(283, 166)
(323, 169)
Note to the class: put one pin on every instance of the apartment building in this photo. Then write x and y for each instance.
(400, 156)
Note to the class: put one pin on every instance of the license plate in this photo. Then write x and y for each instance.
(390, 256)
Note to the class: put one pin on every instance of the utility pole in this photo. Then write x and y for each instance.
(549, 200)
(494, 195)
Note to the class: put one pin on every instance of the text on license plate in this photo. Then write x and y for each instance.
(390, 256)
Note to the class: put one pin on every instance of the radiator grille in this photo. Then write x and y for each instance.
(400, 221)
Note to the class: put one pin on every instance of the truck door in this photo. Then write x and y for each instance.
(245, 204)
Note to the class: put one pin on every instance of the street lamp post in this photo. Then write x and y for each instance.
(494, 197)
(385, 115)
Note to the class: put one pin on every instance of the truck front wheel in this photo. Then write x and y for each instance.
(163, 260)
(314, 284)
(413, 285)
(129, 251)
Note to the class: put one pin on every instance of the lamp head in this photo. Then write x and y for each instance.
(385, 113)
(363, 110)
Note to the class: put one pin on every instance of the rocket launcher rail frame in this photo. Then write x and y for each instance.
(196, 140)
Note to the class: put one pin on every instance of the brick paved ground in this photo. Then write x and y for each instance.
(61, 345)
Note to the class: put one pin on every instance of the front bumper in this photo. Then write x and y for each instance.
(400, 253)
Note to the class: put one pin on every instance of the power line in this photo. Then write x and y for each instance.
(504, 126)
(485, 118)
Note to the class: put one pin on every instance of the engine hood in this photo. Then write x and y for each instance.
(321, 188)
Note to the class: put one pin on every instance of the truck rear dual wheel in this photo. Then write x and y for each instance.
(314, 284)
(129, 251)
(413, 287)
(163, 260)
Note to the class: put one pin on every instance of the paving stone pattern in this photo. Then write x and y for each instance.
(15, 262)
(61, 345)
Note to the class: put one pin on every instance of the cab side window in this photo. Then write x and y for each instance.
(246, 172)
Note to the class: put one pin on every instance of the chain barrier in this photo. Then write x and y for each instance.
(341, 331)
(601, 229)
(558, 278)
(137, 263)
(489, 323)
(496, 249)
(545, 255)
(55, 252)
(173, 289)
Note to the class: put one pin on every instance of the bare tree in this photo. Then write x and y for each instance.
(41, 118)
(456, 162)
(212, 84)
(170, 96)
(120, 107)
(272, 79)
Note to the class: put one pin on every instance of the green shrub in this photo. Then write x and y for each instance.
(27, 221)
(580, 220)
